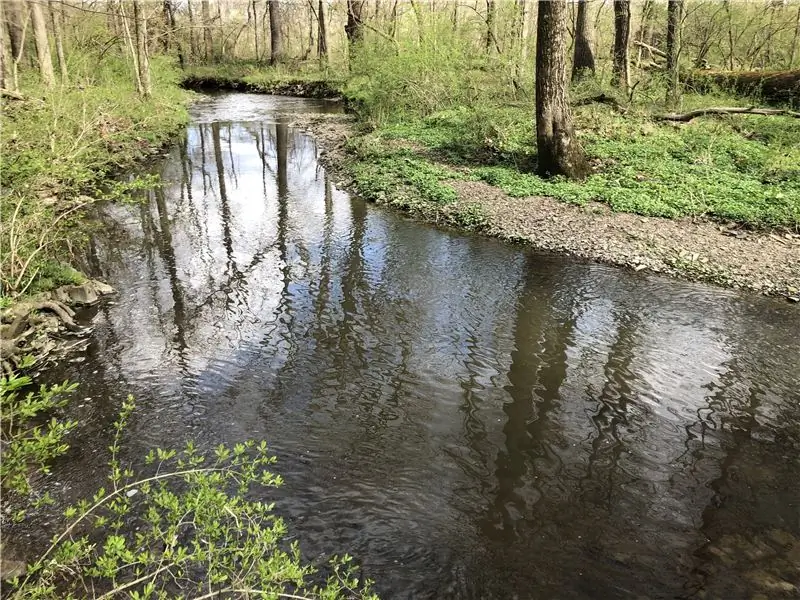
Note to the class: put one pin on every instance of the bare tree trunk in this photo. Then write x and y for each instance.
(142, 60)
(42, 44)
(490, 18)
(16, 16)
(645, 30)
(795, 39)
(208, 41)
(674, 15)
(322, 35)
(276, 37)
(622, 29)
(311, 23)
(172, 27)
(255, 29)
(418, 16)
(56, 18)
(558, 151)
(5, 56)
(583, 57)
(353, 28)
(393, 21)
(192, 37)
(131, 47)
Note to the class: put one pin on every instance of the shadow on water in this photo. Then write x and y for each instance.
(469, 419)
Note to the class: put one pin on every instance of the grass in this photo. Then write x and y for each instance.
(58, 150)
(741, 168)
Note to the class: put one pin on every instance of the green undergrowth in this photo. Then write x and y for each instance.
(742, 168)
(60, 149)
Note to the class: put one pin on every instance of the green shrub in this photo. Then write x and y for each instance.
(186, 526)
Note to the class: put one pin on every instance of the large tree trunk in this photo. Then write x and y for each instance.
(322, 35)
(208, 41)
(16, 16)
(583, 57)
(56, 17)
(42, 43)
(142, 60)
(558, 150)
(353, 28)
(276, 37)
(622, 29)
(674, 14)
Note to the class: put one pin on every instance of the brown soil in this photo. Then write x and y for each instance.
(698, 250)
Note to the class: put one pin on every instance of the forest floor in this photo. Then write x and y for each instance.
(766, 260)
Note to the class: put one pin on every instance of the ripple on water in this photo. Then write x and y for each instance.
(467, 418)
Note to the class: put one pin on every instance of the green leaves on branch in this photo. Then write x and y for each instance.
(30, 441)
(191, 524)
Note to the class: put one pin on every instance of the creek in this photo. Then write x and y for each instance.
(467, 418)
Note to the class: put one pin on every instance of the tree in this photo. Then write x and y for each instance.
(674, 15)
(169, 16)
(42, 43)
(192, 37)
(352, 28)
(490, 18)
(322, 35)
(208, 42)
(276, 37)
(558, 150)
(255, 29)
(15, 19)
(57, 21)
(142, 60)
(622, 28)
(6, 82)
(583, 57)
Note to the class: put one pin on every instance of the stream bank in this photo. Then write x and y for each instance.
(694, 249)
(725, 253)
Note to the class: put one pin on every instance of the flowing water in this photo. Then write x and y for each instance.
(468, 419)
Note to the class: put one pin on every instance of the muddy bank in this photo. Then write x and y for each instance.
(304, 89)
(694, 249)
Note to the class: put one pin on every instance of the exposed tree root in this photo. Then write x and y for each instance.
(725, 110)
(30, 331)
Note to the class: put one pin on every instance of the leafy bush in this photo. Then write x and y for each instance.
(186, 527)
(30, 441)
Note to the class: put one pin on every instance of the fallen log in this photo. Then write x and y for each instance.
(773, 86)
(4, 93)
(725, 110)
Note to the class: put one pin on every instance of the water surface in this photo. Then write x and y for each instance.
(467, 418)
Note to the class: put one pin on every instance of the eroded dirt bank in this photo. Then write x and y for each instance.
(767, 262)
